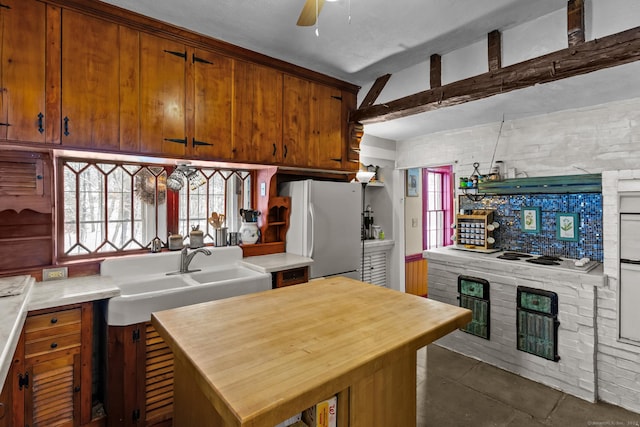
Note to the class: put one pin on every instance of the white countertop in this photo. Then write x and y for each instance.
(276, 262)
(490, 262)
(36, 296)
(56, 293)
(378, 244)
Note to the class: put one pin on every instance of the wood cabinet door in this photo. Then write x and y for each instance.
(162, 96)
(22, 71)
(327, 141)
(51, 396)
(213, 91)
(90, 82)
(296, 127)
(257, 135)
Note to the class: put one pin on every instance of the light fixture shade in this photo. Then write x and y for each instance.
(364, 176)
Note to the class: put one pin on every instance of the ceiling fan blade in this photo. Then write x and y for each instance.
(308, 15)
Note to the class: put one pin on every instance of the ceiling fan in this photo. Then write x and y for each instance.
(310, 12)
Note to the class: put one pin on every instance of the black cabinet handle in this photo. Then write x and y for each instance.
(195, 143)
(54, 320)
(66, 126)
(177, 140)
(40, 122)
(5, 124)
(337, 160)
(274, 150)
(76, 389)
(286, 150)
(54, 345)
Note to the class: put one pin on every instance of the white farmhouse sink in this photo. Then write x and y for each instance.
(143, 289)
(218, 275)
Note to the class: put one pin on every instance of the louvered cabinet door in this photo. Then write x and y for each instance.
(50, 397)
(158, 378)
(375, 268)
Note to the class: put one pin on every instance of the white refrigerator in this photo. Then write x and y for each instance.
(324, 224)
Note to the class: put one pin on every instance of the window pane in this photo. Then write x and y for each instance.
(438, 208)
(110, 207)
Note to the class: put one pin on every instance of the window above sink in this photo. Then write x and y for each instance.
(113, 207)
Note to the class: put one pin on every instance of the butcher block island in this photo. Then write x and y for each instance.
(258, 359)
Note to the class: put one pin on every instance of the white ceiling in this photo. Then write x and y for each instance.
(382, 37)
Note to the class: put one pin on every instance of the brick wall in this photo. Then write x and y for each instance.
(618, 361)
(575, 372)
(597, 139)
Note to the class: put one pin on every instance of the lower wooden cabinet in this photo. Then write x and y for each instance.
(5, 401)
(51, 373)
(293, 276)
(139, 377)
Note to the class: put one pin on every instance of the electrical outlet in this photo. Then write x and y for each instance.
(414, 222)
(54, 273)
(263, 189)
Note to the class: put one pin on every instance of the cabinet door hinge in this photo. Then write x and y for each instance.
(177, 140)
(180, 54)
(23, 381)
(195, 59)
(135, 416)
(196, 143)
(135, 335)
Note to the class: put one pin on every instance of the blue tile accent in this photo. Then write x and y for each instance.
(510, 236)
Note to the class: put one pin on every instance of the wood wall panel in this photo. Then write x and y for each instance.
(416, 277)
(26, 239)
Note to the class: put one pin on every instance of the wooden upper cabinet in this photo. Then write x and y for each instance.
(162, 96)
(296, 126)
(210, 133)
(22, 71)
(327, 137)
(89, 82)
(257, 104)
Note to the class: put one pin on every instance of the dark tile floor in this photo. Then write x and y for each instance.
(455, 390)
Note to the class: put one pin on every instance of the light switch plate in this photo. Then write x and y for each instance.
(263, 189)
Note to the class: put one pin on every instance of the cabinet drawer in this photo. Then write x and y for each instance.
(290, 277)
(52, 343)
(45, 333)
(46, 323)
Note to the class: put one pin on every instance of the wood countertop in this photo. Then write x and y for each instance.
(261, 358)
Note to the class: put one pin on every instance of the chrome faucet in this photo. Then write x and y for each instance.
(186, 257)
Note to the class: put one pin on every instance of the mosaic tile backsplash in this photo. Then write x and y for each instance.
(509, 236)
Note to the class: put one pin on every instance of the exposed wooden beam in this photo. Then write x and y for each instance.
(375, 90)
(610, 51)
(575, 22)
(435, 72)
(494, 45)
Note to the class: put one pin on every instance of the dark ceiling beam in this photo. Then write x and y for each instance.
(575, 22)
(494, 45)
(610, 51)
(375, 90)
(435, 71)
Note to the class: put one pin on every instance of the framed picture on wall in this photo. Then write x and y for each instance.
(530, 219)
(411, 184)
(567, 226)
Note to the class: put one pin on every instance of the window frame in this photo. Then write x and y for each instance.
(172, 203)
(446, 172)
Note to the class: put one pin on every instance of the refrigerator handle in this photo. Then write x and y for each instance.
(313, 232)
